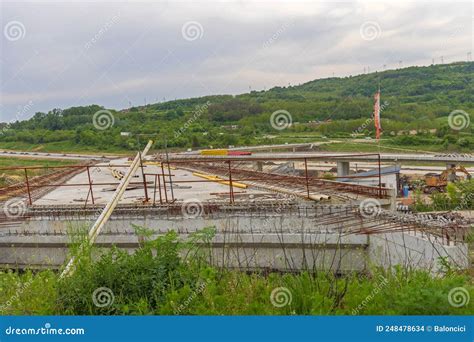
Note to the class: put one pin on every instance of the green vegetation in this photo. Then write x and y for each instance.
(165, 276)
(19, 162)
(60, 147)
(416, 102)
(458, 196)
(8, 177)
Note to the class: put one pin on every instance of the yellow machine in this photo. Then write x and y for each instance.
(438, 182)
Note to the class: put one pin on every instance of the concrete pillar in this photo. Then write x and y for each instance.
(393, 199)
(258, 165)
(343, 168)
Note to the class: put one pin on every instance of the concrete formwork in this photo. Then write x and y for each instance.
(414, 250)
(279, 240)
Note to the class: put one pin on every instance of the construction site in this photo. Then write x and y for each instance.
(280, 208)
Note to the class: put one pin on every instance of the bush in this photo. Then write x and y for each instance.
(168, 277)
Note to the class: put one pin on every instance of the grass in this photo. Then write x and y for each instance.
(346, 145)
(60, 147)
(22, 162)
(168, 277)
(11, 176)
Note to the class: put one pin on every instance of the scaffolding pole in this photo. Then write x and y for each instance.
(109, 208)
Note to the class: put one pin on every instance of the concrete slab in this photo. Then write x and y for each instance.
(101, 173)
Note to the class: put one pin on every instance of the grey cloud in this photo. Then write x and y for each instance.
(111, 53)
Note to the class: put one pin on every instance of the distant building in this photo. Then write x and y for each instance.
(390, 177)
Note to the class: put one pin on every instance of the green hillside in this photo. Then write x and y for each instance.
(413, 99)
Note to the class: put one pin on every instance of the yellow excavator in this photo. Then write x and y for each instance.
(437, 182)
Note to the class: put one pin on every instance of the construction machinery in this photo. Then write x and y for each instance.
(438, 182)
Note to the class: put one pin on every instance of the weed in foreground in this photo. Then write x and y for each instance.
(172, 277)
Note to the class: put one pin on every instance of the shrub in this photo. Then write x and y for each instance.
(167, 276)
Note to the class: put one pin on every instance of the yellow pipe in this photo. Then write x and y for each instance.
(236, 184)
(220, 180)
(202, 175)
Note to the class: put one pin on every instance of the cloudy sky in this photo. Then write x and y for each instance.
(59, 54)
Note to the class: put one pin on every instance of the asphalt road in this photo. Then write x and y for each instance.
(44, 155)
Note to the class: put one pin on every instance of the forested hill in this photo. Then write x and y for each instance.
(418, 98)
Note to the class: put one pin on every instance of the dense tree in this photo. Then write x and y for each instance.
(415, 98)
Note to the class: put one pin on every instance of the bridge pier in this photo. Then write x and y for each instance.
(343, 168)
(258, 165)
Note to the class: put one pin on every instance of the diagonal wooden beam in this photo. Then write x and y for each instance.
(109, 208)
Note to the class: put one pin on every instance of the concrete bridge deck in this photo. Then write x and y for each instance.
(286, 237)
(338, 156)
